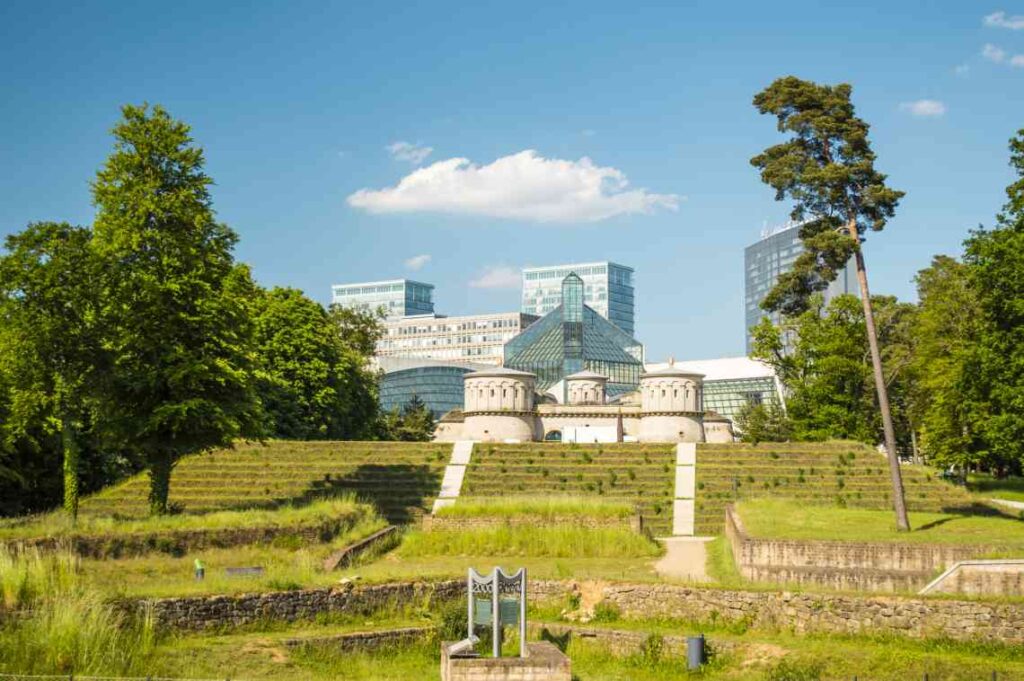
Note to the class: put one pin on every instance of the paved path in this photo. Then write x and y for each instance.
(1006, 502)
(684, 559)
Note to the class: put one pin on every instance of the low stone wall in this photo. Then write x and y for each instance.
(801, 612)
(825, 613)
(455, 523)
(853, 566)
(224, 611)
(178, 542)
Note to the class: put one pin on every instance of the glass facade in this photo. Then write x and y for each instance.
(399, 298)
(728, 396)
(573, 337)
(440, 388)
(770, 257)
(607, 289)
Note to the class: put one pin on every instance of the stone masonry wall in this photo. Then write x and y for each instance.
(827, 613)
(801, 612)
(866, 566)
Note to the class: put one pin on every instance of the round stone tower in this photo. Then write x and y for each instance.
(671, 406)
(499, 405)
(585, 387)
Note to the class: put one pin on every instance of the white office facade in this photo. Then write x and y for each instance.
(468, 338)
(608, 290)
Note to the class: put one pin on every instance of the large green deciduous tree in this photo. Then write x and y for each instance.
(995, 260)
(174, 300)
(826, 367)
(947, 329)
(313, 384)
(50, 314)
(827, 168)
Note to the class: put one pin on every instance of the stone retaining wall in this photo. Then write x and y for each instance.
(443, 521)
(855, 566)
(178, 542)
(801, 612)
(223, 611)
(365, 640)
(827, 613)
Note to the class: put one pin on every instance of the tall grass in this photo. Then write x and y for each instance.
(545, 508)
(58, 524)
(559, 541)
(51, 623)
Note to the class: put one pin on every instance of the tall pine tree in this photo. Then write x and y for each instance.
(827, 168)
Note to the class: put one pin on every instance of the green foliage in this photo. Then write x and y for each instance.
(947, 328)
(543, 508)
(792, 670)
(552, 541)
(827, 369)
(175, 302)
(827, 168)
(313, 381)
(415, 423)
(764, 423)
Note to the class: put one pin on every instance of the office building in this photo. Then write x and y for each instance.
(767, 259)
(398, 297)
(469, 338)
(608, 290)
(572, 338)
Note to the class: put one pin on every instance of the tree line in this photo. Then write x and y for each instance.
(132, 342)
(948, 371)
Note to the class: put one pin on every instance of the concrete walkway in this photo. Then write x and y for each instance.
(684, 559)
(1019, 505)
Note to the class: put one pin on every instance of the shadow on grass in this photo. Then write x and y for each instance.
(399, 491)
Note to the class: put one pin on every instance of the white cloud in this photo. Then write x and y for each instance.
(411, 153)
(961, 69)
(1017, 60)
(1000, 20)
(417, 262)
(522, 186)
(500, 276)
(993, 53)
(925, 108)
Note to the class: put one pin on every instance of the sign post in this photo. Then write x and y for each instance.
(495, 610)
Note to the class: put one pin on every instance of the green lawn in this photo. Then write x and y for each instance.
(544, 508)
(1011, 489)
(786, 519)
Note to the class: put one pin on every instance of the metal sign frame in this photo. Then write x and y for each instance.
(495, 584)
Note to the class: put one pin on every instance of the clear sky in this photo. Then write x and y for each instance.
(300, 105)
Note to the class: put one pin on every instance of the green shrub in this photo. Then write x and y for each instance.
(788, 670)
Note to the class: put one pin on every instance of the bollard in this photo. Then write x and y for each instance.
(695, 651)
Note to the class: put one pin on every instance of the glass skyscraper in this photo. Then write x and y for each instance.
(771, 256)
(573, 337)
(607, 290)
(398, 297)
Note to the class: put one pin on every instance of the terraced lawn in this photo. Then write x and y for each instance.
(400, 478)
(835, 473)
(640, 474)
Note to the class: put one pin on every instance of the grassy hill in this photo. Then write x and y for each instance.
(400, 478)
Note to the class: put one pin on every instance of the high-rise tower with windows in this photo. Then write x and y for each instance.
(607, 290)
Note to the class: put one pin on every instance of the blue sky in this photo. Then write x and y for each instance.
(299, 105)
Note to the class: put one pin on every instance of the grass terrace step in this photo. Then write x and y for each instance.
(400, 478)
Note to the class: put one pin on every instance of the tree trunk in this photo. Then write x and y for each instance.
(69, 443)
(898, 501)
(159, 482)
